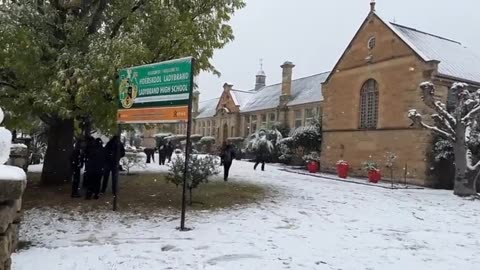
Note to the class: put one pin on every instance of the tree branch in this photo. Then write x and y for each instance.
(428, 91)
(47, 119)
(475, 111)
(97, 17)
(11, 85)
(120, 22)
(417, 120)
(442, 123)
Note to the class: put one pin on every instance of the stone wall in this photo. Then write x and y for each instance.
(11, 191)
(398, 72)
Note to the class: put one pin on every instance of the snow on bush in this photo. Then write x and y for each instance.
(133, 159)
(200, 168)
(313, 156)
(285, 149)
(307, 137)
(259, 144)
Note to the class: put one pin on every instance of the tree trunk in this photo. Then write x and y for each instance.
(464, 178)
(465, 185)
(57, 167)
(191, 199)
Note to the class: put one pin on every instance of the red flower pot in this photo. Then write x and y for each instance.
(342, 170)
(374, 176)
(313, 167)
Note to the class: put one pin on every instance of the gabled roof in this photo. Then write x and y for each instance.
(304, 90)
(456, 61)
(207, 108)
(241, 98)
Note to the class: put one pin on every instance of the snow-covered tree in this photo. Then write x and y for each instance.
(457, 128)
(259, 143)
(200, 168)
(308, 138)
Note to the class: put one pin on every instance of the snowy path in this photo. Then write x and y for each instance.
(312, 224)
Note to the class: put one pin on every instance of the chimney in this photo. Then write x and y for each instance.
(372, 6)
(227, 87)
(260, 78)
(287, 69)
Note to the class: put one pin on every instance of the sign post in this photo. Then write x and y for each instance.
(159, 93)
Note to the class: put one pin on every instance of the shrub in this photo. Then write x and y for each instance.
(200, 168)
(133, 159)
(313, 156)
(207, 144)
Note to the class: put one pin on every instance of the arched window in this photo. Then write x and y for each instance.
(369, 105)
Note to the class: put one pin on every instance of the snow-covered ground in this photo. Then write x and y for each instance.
(312, 224)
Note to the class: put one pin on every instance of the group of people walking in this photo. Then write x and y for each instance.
(228, 154)
(99, 162)
(165, 151)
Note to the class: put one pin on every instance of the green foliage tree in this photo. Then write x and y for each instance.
(58, 58)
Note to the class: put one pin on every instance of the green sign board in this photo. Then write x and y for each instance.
(158, 92)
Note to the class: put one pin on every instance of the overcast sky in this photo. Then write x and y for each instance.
(314, 33)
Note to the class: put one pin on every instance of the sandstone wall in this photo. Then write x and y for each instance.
(11, 192)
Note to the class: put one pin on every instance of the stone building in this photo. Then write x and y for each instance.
(375, 83)
(364, 100)
(239, 113)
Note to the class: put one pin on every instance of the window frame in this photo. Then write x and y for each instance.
(372, 42)
(298, 119)
(308, 120)
(369, 105)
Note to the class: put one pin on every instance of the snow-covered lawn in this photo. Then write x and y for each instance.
(312, 224)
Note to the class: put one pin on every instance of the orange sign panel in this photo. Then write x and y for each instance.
(153, 115)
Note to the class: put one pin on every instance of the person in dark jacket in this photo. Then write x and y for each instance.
(169, 151)
(150, 152)
(162, 154)
(227, 156)
(89, 142)
(112, 159)
(94, 165)
(262, 153)
(77, 165)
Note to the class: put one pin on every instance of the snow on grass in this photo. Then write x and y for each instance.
(312, 224)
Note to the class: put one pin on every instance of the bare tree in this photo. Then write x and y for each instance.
(457, 127)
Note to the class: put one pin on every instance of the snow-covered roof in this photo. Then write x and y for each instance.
(304, 90)
(241, 98)
(207, 108)
(456, 60)
(160, 135)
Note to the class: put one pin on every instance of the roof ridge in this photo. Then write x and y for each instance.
(242, 91)
(297, 79)
(316, 74)
(426, 33)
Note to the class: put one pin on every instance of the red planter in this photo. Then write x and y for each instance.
(342, 170)
(313, 167)
(374, 176)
